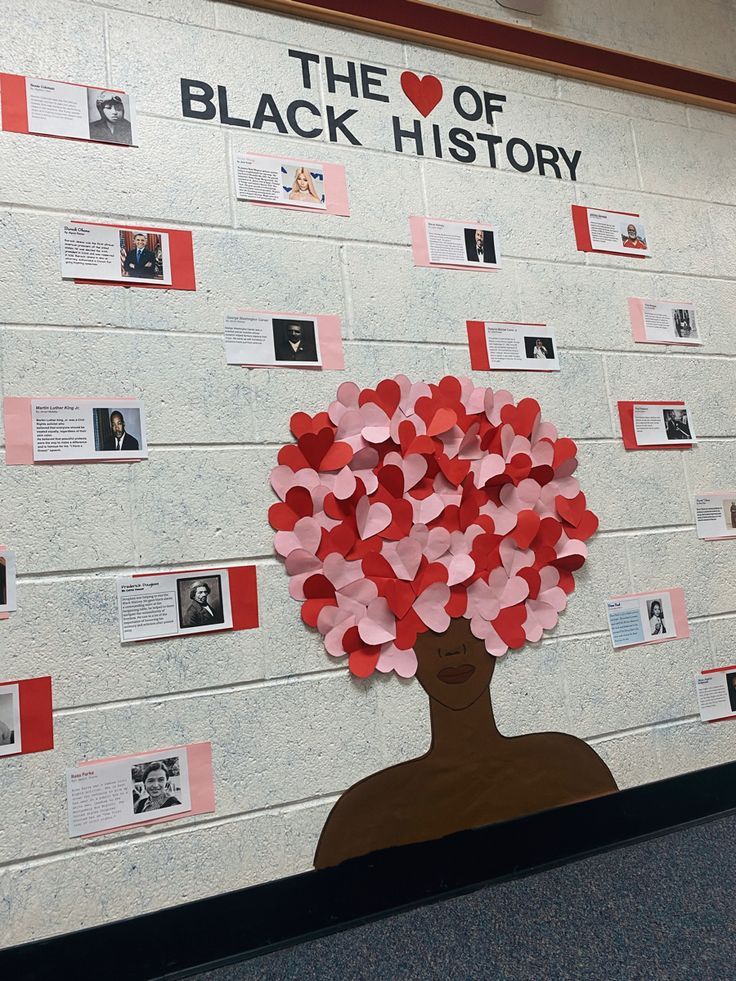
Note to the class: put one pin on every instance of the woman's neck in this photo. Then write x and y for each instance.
(465, 732)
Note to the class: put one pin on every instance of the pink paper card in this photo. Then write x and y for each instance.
(194, 784)
(291, 182)
(262, 339)
(647, 618)
(7, 577)
(100, 433)
(663, 322)
(442, 243)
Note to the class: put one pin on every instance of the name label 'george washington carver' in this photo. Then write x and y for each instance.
(350, 81)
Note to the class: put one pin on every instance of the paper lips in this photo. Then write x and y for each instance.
(406, 505)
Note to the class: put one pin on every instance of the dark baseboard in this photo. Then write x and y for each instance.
(252, 921)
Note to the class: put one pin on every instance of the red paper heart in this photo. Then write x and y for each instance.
(565, 449)
(399, 596)
(458, 602)
(424, 93)
(312, 608)
(533, 578)
(455, 470)
(509, 626)
(318, 587)
(521, 417)
(407, 629)
(391, 478)
(298, 504)
(339, 539)
(587, 526)
(549, 532)
(571, 509)
(376, 567)
(386, 396)
(527, 526)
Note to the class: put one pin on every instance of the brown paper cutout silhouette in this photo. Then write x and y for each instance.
(471, 775)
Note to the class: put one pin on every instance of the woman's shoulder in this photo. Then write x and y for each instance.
(564, 755)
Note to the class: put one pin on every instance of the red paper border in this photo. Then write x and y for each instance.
(36, 715)
(13, 103)
(181, 254)
(479, 360)
(626, 417)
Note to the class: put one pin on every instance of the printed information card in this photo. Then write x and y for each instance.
(511, 346)
(174, 604)
(656, 425)
(107, 795)
(716, 691)
(88, 430)
(106, 252)
(291, 183)
(715, 515)
(453, 244)
(647, 618)
(253, 338)
(79, 112)
(615, 232)
(663, 322)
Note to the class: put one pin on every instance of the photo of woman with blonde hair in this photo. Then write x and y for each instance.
(303, 190)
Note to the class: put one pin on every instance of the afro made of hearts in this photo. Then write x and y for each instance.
(408, 504)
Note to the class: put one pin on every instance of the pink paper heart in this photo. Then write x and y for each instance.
(340, 572)
(333, 638)
(427, 509)
(459, 568)
(307, 534)
(542, 454)
(404, 557)
(522, 497)
(515, 591)
(300, 561)
(362, 591)
(283, 479)
(513, 558)
(344, 485)
(371, 519)
(430, 607)
(489, 466)
(545, 614)
(404, 663)
(413, 467)
(378, 626)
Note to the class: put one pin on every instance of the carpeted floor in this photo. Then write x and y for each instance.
(662, 909)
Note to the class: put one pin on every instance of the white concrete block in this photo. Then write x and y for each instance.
(695, 746)
(714, 300)
(244, 270)
(58, 40)
(393, 299)
(710, 119)
(180, 11)
(68, 628)
(618, 486)
(184, 181)
(617, 100)
(68, 516)
(609, 690)
(680, 559)
(202, 505)
(34, 292)
(721, 632)
(605, 574)
(530, 213)
(528, 691)
(710, 467)
(632, 758)
(148, 57)
(718, 220)
(683, 160)
(704, 383)
(212, 403)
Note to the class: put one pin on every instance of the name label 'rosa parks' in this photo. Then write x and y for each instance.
(301, 117)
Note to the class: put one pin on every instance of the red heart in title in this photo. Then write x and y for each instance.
(424, 93)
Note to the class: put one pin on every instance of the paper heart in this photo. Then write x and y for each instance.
(404, 663)
(362, 657)
(334, 638)
(513, 558)
(527, 526)
(565, 449)
(424, 93)
(490, 466)
(399, 596)
(283, 479)
(586, 527)
(430, 607)
(404, 557)
(306, 534)
(378, 626)
(299, 561)
(571, 556)
(571, 509)
(521, 417)
(375, 566)
(344, 485)
(515, 591)
(413, 467)
(427, 509)
(455, 470)
(340, 572)
(371, 519)
(459, 568)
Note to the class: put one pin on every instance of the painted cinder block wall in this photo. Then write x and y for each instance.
(289, 727)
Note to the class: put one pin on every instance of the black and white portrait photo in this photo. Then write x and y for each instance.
(156, 784)
(479, 245)
(676, 424)
(7, 582)
(200, 602)
(117, 430)
(109, 117)
(540, 348)
(684, 322)
(295, 340)
(729, 514)
(10, 737)
(655, 612)
(731, 688)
